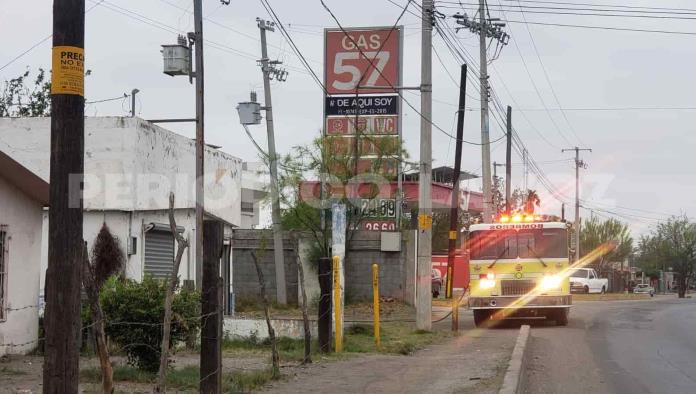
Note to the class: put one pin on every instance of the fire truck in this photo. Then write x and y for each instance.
(519, 268)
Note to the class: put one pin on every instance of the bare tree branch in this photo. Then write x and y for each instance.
(182, 244)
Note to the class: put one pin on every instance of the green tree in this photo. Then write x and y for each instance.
(335, 161)
(671, 244)
(21, 98)
(595, 233)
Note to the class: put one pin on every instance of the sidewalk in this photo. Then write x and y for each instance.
(473, 362)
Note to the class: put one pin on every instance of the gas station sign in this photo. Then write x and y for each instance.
(362, 73)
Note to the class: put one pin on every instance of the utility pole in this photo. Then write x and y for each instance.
(454, 209)
(211, 310)
(425, 216)
(485, 28)
(200, 137)
(508, 162)
(485, 135)
(65, 242)
(525, 172)
(268, 68)
(578, 163)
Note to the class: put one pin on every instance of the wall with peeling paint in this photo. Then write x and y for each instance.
(132, 165)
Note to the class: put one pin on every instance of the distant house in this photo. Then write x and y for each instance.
(22, 198)
(131, 165)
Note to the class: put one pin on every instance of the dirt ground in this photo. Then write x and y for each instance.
(18, 373)
(474, 361)
(469, 363)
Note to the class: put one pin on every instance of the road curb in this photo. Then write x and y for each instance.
(513, 382)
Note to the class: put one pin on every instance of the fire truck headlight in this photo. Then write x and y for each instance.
(550, 282)
(487, 284)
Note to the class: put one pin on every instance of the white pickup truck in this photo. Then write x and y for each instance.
(586, 280)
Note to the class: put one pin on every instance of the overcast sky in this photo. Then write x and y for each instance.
(641, 166)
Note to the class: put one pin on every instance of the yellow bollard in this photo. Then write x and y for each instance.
(375, 301)
(337, 304)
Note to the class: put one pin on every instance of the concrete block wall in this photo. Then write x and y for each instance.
(244, 276)
(396, 269)
(364, 250)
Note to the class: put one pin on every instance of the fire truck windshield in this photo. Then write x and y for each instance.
(511, 244)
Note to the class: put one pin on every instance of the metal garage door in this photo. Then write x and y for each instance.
(159, 253)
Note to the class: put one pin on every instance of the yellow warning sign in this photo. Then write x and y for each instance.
(425, 222)
(68, 73)
(452, 235)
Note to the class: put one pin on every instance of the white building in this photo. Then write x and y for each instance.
(255, 181)
(22, 197)
(131, 165)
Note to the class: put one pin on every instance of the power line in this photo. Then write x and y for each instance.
(536, 88)
(170, 29)
(340, 26)
(583, 11)
(685, 33)
(548, 80)
(224, 26)
(603, 5)
(14, 59)
(294, 47)
(627, 208)
(500, 118)
(609, 109)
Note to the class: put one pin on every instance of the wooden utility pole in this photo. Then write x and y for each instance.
(200, 135)
(65, 243)
(211, 309)
(454, 208)
(508, 162)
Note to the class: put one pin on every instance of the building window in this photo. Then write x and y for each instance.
(248, 207)
(3, 272)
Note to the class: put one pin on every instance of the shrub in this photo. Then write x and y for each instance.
(134, 312)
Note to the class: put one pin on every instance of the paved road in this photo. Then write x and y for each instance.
(617, 347)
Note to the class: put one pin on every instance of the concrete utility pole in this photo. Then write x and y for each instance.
(508, 162)
(268, 69)
(578, 163)
(200, 137)
(485, 28)
(65, 242)
(425, 216)
(485, 135)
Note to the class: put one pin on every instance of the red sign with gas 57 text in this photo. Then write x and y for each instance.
(362, 61)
